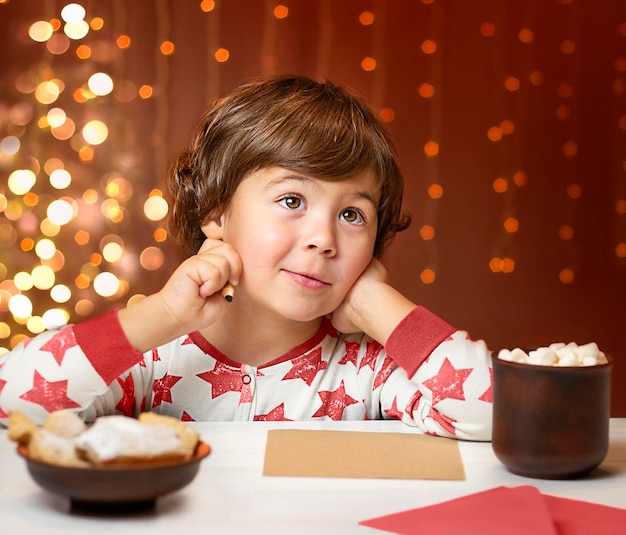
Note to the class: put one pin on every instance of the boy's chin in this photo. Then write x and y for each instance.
(305, 316)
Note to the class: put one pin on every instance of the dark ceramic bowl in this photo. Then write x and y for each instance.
(115, 489)
(550, 422)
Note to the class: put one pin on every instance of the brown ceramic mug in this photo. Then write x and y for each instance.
(550, 422)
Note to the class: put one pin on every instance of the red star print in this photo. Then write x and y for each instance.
(413, 403)
(334, 403)
(2, 384)
(352, 349)
(448, 383)
(369, 359)
(60, 343)
(393, 412)
(222, 379)
(162, 389)
(51, 395)
(277, 414)
(307, 367)
(444, 421)
(487, 395)
(186, 417)
(127, 401)
(384, 373)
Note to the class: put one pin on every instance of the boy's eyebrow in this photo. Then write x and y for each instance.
(368, 197)
(303, 178)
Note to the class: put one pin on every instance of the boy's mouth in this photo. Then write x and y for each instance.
(307, 280)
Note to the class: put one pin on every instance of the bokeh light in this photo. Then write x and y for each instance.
(95, 132)
(21, 181)
(20, 306)
(60, 178)
(61, 211)
(10, 145)
(47, 92)
(155, 208)
(40, 31)
(100, 84)
(73, 13)
(106, 284)
(60, 293)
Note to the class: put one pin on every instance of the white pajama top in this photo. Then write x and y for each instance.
(428, 375)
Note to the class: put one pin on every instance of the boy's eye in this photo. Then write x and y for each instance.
(352, 216)
(292, 202)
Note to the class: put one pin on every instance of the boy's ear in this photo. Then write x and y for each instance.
(213, 227)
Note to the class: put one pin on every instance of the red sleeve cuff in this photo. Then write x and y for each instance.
(106, 346)
(415, 338)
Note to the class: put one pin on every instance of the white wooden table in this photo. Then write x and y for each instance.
(230, 494)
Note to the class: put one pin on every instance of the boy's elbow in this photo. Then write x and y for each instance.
(478, 428)
(467, 422)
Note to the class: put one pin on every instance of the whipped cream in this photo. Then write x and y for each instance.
(112, 437)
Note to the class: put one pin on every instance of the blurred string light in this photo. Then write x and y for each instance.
(166, 49)
(58, 214)
(569, 114)
(510, 105)
(429, 90)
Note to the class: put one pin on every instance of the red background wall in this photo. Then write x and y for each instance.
(545, 79)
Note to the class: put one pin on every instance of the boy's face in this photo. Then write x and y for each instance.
(303, 241)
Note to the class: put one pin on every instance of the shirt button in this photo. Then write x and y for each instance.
(246, 379)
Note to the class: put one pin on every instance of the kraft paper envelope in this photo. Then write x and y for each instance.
(355, 454)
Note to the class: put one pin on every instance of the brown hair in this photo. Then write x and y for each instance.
(289, 121)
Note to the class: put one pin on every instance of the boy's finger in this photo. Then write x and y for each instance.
(208, 244)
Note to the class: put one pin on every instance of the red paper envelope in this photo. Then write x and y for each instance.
(514, 511)
(574, 517)
(518, 510)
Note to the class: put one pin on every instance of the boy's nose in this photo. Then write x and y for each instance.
(321, 238)
(329, 251)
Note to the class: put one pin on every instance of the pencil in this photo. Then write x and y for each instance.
(228, 291)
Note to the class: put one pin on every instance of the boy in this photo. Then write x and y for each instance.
(289, 192)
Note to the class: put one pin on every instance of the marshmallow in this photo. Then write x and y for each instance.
(543, 356)
(588, 350)
(505, 354)
(515, 355)
(557, 354)
(589, 361)
(568, 358)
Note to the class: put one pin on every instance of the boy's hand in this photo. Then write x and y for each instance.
(192, 295)
(190, 300)
(372, 305)
(346, 317)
